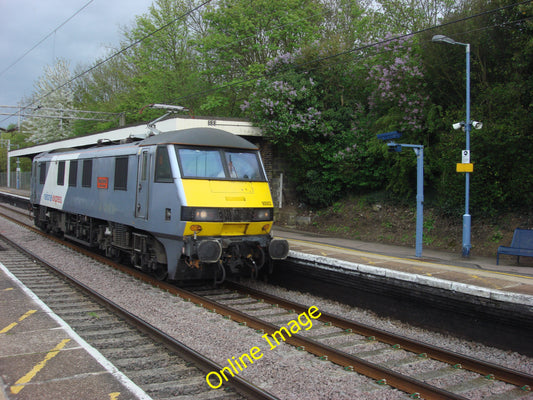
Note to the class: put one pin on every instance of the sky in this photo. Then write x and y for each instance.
(89, 35)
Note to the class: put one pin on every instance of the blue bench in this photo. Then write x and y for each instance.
(522, 245)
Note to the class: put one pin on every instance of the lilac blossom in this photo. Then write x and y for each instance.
(398, 83)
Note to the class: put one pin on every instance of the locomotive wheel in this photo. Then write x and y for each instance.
(220, 275)
(160, 272)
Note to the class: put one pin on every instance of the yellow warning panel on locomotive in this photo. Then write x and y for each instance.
(224, 193)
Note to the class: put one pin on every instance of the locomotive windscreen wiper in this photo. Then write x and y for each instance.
(232, 169)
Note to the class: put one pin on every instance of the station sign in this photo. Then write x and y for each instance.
(465, 167)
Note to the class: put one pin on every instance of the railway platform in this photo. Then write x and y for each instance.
(42, 358)
(477, 276)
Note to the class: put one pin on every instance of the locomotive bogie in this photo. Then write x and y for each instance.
(192, 204)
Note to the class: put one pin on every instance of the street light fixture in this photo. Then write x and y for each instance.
(467, 220)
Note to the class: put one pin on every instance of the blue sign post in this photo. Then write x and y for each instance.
(389, 137)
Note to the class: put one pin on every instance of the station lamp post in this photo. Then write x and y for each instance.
(466, 217)
(390, 138)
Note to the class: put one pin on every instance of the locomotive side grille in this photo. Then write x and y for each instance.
(121, 235)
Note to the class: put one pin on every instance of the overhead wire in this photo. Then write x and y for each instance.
(44, 38)
(262, 75)
(122, 50)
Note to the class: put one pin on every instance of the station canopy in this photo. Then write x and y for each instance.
(236, 127)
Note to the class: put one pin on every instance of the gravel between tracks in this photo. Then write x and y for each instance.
(283, 371)
(509, 359)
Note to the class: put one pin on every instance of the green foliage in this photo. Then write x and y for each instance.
(328, 153)
(16, 141)
(243, 35)
(301, 70)
(501, 98)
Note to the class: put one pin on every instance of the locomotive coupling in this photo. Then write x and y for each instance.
(278, 249)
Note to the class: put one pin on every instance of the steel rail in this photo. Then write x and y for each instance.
(381, 374)
(508, 375)
(241, 385)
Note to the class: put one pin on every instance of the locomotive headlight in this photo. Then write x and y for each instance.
(200, 214)
(262, 214)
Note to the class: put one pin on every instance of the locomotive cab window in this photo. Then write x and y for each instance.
(243, 166)
(163, 172)
(219, 164)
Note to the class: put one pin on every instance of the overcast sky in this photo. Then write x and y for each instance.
(83, 39)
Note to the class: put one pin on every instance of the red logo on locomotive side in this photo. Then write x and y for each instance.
(102, 182)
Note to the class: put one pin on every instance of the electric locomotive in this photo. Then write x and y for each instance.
(191, 204)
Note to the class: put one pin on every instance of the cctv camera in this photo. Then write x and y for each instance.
(457, 125)
(477, 124)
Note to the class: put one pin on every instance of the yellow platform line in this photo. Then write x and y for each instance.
(12, 325)
(19, 385)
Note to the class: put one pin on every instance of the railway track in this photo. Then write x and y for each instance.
(163, 367)
(376, 353)
(380, 355)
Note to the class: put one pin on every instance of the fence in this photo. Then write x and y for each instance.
(22, 182)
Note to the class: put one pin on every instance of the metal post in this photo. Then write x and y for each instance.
(280, 190)
(18, 173)
(390, 138)
(8, 163)
(419, 151)
(467, 220)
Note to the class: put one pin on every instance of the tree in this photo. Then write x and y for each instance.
(106, 87)
(302, 110)
(407, 16)
(350, 22)
(54, 91)
(163, 64)
(243, 35)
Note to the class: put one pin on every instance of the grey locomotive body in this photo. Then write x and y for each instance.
(190, 204)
